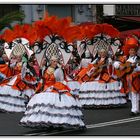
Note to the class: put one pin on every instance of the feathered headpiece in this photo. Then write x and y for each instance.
(105, 36)
(84, 40)
(18, 40)
(100, 36)
(130, 43)
(55, 33)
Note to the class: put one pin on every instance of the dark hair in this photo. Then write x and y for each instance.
(46, 64)
(99, 58)
(25, 55)
(31, 69)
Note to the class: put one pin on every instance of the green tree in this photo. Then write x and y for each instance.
(9, 18)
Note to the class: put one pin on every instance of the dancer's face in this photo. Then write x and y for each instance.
(102, 54)
(19, 58)
(5, 58)
(132, 52)
(44, 62)
(54, 63)
(31, 63)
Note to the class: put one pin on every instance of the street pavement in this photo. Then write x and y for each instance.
(99, 122)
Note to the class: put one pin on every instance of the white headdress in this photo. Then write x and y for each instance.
(54, 58)
(87, 53)
(104, 36)
(17, 40)
(18, 47)
(54, 42)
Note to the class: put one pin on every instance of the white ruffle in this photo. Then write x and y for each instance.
(116, 64)
(12, 80)
(100, 95)
(110, 101)
(74, 86)
(96, 86)
(28, 92)
(48, 109)
(12, 100)
(51, 104)
(95, 93)
(53, 99)
(5, 106)
(51, 119)
(7, 90)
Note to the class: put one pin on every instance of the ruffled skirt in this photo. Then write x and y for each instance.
(12, 100)
(52, 109)
(95, 94)
(74, 86)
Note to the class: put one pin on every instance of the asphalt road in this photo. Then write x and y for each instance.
(99, 122)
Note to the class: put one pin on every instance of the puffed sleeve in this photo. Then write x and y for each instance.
(59, 75)
(94, 61)
(116, 64)
(137, 68)
(12, 65)
(23, 71)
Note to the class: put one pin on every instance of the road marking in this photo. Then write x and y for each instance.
(92, 126)
(114, 122)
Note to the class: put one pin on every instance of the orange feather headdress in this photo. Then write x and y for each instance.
(20, 31)
(103, 36)
(51, 25)
(130, 43)
(87, 31)
(91, 30)
(106, 29)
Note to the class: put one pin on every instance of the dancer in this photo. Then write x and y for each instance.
(14, 90)
(128, 70)
(53, 105)
(98, 87)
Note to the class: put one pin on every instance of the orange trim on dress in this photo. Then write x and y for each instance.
(49, 80)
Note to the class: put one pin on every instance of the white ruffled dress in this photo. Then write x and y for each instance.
(53, 109)
(97, 94)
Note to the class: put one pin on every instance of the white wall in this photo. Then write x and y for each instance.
(86, 14)
(109, 10)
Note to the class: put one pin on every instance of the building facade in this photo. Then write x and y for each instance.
(79, 13)
(122, 10)
(32, 12)
(123, 16)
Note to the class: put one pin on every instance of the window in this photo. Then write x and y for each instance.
(127, 10)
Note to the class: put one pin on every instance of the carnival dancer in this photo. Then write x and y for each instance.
(98, 87)
(101, 90)
(54, 105)
(75, 82)
(128, 70)
(3, 67)
(83, 67)
(86, 60)
(14, 90)
(70, 70)
(44, 65)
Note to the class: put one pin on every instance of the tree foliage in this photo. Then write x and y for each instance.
(9, 18)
